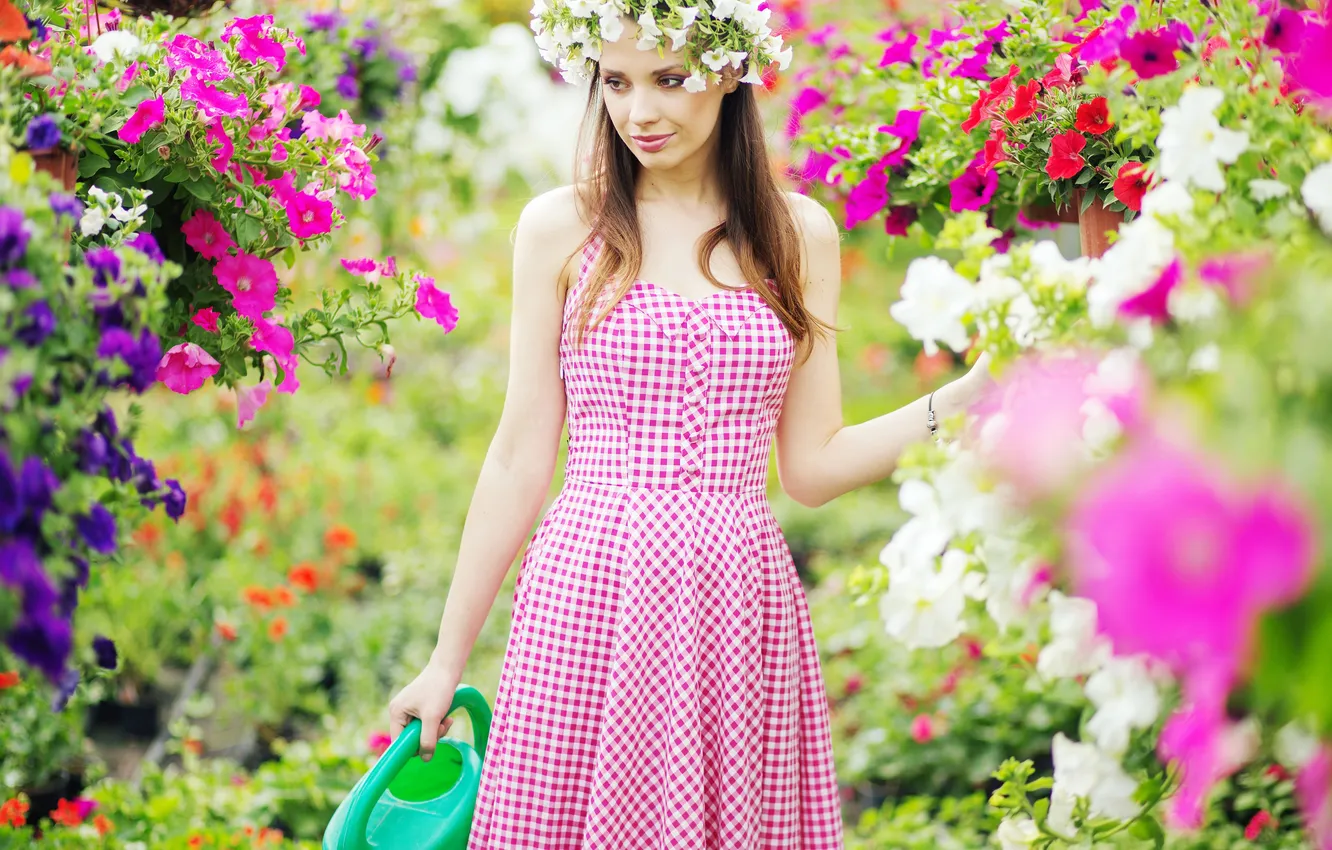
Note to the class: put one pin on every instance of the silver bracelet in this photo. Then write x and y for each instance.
(932, 421)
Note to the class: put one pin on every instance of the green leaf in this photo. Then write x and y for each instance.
(201, 189)
(289, 256)
(1085, 177)
(94, 146)
(178, 174)
(91, 163)
(1147, 827)
(1088, 198)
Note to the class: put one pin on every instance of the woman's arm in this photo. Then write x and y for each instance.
(818, 456)
(516, 474)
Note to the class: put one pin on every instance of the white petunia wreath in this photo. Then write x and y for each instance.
(711, 34)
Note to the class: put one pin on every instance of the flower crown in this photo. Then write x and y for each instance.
(711, 34)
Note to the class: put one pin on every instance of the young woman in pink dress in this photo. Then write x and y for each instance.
(661, 687)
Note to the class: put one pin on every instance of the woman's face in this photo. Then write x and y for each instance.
(662, 123)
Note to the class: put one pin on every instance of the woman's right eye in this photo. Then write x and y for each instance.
(613, 83)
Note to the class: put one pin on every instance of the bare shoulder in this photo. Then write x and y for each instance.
(551, 229)
(815, 222)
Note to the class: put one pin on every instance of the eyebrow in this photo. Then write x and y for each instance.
(676, 67)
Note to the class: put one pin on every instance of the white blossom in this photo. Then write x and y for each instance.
(688, 15)
(923, 537)
(582, 8)
(715, 59)
(1126, 699)
(1295, 745)
(117, 43)
(1132, 264)
(752, 76)
(1017, 833)
(723, 9)
(612, 27)
(1075, 648)
(934, 300)
(649, 33)
(1206, 359)
(677, 37)
(923, 608)
(1316, 190)
(695, 82)
(1193, 143)
(736, 57)
(93, 221)
(1268, 190)
(1083, 771)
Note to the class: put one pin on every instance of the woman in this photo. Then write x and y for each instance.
(661, 685)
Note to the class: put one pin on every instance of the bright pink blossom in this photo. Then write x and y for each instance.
(804, 102)
(212, 101)
(1153, 302)
(973, 188)
(378, 742)
(898, 220)
(206, 319)
(1237, 274)
(868, 197)
(1198, 737)
(905, 126)
(189, 54)
(338, 128)
(278, 341)
(899, 52)
(307, 214)
(1179, 560)
(1104, 41)
(205, 234)
(147, 115)
(252, 282)
(1309, 71)
(252, 38)
(186, 367)
(922, 729)
(217, 133)
(250, 399)
(1151, 54)
(433, 303)
(1313, 790)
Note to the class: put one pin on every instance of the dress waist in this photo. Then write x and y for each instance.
(696, 485)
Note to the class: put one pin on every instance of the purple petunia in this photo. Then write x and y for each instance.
(98, 529)
(146, 243)
(62, 204)
(175, 499)
(13, 236)
(43, 640)
(37, 485)
(20, 279)
(43, 132)
(105, 650)
(41, 324)
(142, 355)
(11, 498)
(105, 264)
(92, 449)
(69, 682)
(324, 21)
(348, 86)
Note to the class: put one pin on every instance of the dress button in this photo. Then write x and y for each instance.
(693, 397)
(690, 467)
(701, 334)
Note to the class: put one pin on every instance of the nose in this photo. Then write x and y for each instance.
(643, 109)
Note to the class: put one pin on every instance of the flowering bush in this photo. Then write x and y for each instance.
(353, 62)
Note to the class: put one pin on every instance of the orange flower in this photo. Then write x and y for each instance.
(339, 537)
(304, 576)
(9, 680)
(148, 535)
(102, 825)
(226, 631)
(194, 745)
(268, 493)
(283, 596)
(67, 813)
(14, 812)
(277, 628)
(175, 561)
(232, 516)
(268, 834)
(259, 597)
(196, 840)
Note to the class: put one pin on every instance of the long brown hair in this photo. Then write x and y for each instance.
(759, 225)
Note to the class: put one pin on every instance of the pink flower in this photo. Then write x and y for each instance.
(206, 319)
(147, 115)
(276, 340)
(1309, 71)
(905, 126)
(185, 368)
(1104, 41)
(898, 220)
(212, 101)
(216, 133)
(1313, 790)
(367, 268)
(433, 303)
(922, 729)
(308, 215)
(206, 235)
(805, 101)
(127, 76)
(972, 189)
(251, 37)
(867, 197)
(1180, 561)
(1151, 54)
(250, 399)
(201, 61)
(1285, 30)
(378, 742)
(1235, 273)
(1201, 739)
(252, 282)
(1153, 302)
(341, 127)
(899, 52)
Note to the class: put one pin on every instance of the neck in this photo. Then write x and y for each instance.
(691, 182)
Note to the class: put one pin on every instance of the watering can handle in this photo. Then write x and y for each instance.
(395, 758)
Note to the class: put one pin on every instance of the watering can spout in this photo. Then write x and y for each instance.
(404, 802)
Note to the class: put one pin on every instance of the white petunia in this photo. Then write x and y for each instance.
(93, 221)
(934, 300)
(1194, 302)
(1193, 143)
(1168, 199)
(923, 608)
(582, 8)
(1316, 190)
(783, 59)
(1075, 648)
(920, 539)
(1295, 745)
(752, 76)
(1051, 270)
(1100, 427)
(715, 59)
(736, 57)
(1132, 264)
(1267, 190)
(1126, 699)
(678, 37)
(1017, 833)
(688, 15)
(723, 9)
(117, 43)
(648, 25)
(695, 82)
(611, 27)
(1083, 771)
(1206, 359)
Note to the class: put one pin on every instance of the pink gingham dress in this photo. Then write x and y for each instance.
(661, 688)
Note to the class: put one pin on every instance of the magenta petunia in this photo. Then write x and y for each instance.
(252, 38)
(1195, 739)
(1237, 274)
(206, 319)
(217, 133)
(433, 303)
(205, 234)
(147, 115)
(274, 339)
(898, 220)
(905, 126)
(805, 101)
(189, 54)
(899, 52)
(250, 399)
(338, 128)
(867, 197)
(1285, 30)
(973, 67)
(252, 282)
(1104, 42)
(309, 216)
(1309, 71)
(1151, 54)
(212, 101)
(972, 189)
(185, 368)
(1154, 301)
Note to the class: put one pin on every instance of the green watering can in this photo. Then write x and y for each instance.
(404, 802)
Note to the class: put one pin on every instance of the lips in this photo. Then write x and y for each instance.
(651, 144)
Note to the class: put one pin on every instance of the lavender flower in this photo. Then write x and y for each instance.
(174, 500)
(105, 650)
(13, 236)
(43, 132)
(20, 279)
(69, 205)
(11, 500)
(105, 264)
(98, 529)
(147, 244)
(41, 324)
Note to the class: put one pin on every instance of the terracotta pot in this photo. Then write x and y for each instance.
(1094, 226)
(60, 163)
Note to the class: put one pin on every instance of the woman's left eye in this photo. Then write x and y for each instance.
(672, 82)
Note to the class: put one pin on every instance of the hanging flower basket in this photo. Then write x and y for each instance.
(60, 163)
(1095, 224)
(171, 8)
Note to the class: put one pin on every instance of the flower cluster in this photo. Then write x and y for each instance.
(711, 36)
(369, 71)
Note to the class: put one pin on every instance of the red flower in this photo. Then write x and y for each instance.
(1259, 822)
(1024, 101)
(277, 628)
(67, 813)
(102, 825)
(1064, 161)
(994, 150)
(14, 812)
(282, 596)
(1094, 117)
(339, 537)
(259, 597)
(226, 631)
(9, 680)
(980, 110)
(304, 576)
(1131, 184)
